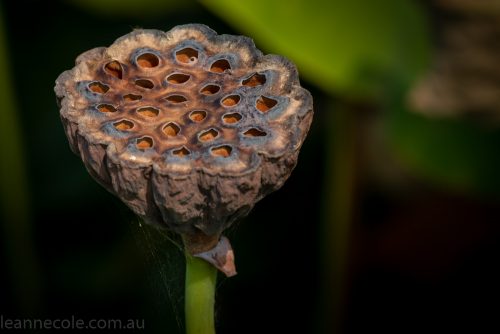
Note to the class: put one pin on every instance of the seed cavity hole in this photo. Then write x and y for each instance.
(114, 69)
(176, 99)
(231, 100)
(98, 87)
(231, 118)
(171, 129)
(178, 78)
(220, 66)
(198, 115)
(210, 90)
(144, 143)
(187, 56)
(132, 97)
(106, 108)
(255, 80)
(148, 60)
(144, 83)
(264, 104)
(221, 151)
(148, 111)
(123, 125)
(181, 152)
(208, 135)
(254, 132)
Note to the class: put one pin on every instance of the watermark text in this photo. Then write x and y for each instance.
(69, 323)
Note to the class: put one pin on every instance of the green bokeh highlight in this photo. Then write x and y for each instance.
(346, 47)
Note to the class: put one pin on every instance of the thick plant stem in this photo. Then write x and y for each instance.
(200, 296)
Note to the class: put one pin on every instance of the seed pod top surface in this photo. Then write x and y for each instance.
(189, 128)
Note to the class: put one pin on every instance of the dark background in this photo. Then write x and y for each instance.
(422, 255)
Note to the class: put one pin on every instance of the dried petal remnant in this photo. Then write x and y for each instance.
(176, 125)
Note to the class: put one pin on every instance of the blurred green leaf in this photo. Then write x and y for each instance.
(460, 154)
(131, 8)
(342, 46)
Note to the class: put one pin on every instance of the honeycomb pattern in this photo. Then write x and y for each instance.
(192, 110)
(184, 103)
(189, 128)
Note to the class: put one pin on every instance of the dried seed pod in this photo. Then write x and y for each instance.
(189, 128)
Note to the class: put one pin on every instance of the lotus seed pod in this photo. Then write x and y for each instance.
(188, 128)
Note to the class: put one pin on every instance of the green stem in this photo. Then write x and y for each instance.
(200, 296)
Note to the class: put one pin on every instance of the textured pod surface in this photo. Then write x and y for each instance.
(189, 128)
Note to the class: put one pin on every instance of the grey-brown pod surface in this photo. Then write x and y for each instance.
(189, 128)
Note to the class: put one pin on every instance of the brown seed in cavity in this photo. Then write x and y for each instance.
(187, 56)
(175, 98)
(148, 60)
(123, 125)
(198, 115)
(106, 108)
(255, 80)
(178, 78)
(221, 151)
(148, 111)
(231, 118)
(132, 97)
(98, 87)
(144, 83)
(231, 100)
(264, 104)
(254, 132)
(210, 89)
(208, 135)
(220, 66)
(114, 69)
(144, 143)
(171, 129)
(181, 152)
